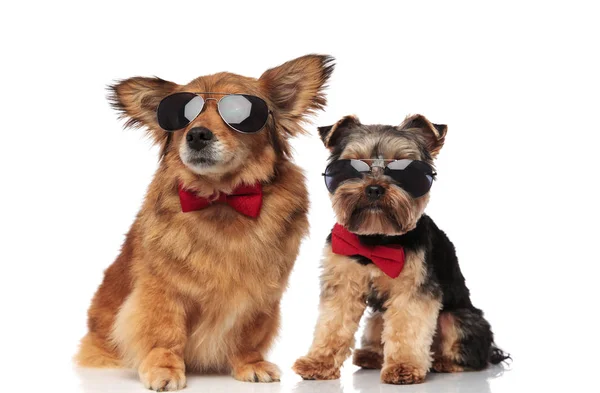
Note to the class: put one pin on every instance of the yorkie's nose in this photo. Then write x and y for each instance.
(197, 138)
(374, 192)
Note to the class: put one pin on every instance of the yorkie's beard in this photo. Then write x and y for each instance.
(394, 214)
(372, 221)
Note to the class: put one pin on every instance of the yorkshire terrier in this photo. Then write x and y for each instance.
(199, 279)
(385, 253)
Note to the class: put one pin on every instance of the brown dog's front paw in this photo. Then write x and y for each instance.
(366, 358)
(310, 368)
(400, 374)
(162, 371)
(262, 371)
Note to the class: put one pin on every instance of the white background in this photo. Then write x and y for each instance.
(517, 85)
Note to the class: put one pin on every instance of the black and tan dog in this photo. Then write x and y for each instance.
(387, 254)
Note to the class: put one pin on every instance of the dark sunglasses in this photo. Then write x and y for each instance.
(242, 112)
(415, 177)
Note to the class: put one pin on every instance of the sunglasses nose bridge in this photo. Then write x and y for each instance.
(215, 102)
(376, 171)
(205, 106)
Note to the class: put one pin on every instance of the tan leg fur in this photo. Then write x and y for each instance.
(344, 285)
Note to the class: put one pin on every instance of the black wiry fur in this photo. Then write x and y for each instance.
(323, 131)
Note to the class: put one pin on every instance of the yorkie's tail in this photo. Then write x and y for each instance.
(497, 355)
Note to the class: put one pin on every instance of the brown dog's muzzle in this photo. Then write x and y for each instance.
(198, 138)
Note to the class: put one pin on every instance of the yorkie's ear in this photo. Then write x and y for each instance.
(432, 134)
(136, 100)
(332, 135)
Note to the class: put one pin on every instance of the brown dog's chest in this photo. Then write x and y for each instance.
(218, 252)
(220, 236)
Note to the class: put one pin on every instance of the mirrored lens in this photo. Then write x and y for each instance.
(244, 113)
(415, 177)
(342, 170)
(178, 110)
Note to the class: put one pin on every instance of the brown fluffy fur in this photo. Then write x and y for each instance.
(201, 290)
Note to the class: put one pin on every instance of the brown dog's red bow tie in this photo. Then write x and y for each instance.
(390, 259)
(244, 199)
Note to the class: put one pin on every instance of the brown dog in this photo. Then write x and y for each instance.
(201, 290)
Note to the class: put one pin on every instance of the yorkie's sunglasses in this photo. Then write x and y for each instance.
(415, 177)
(242, 112)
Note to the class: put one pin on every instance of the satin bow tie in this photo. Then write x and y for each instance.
(246, 200)
(390, 259)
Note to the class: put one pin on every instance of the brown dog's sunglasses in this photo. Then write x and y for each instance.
(244, 113)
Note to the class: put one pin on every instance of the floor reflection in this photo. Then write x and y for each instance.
(467, 382)
(334, 386)
(367, 381)
(360, 381)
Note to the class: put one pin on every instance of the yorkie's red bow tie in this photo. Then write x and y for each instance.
(244, 199)
(390, 259)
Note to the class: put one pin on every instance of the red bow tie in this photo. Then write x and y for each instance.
(390, 259)
(244, 199)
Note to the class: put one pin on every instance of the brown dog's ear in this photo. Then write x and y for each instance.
(137, 98)
(332, 135)
(433, 134)
(296, 89)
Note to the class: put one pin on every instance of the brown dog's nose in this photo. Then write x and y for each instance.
(374, 192)
(197, 138)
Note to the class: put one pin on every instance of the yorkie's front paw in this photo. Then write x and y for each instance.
(401, 374)
(311, 368)
(366, 358)
(262, 371)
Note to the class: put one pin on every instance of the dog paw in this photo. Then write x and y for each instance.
(162, 371)
(446, 366)
(367, 359)
(262, 371)
(400, 374)
(310, 368)
(163, 379)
